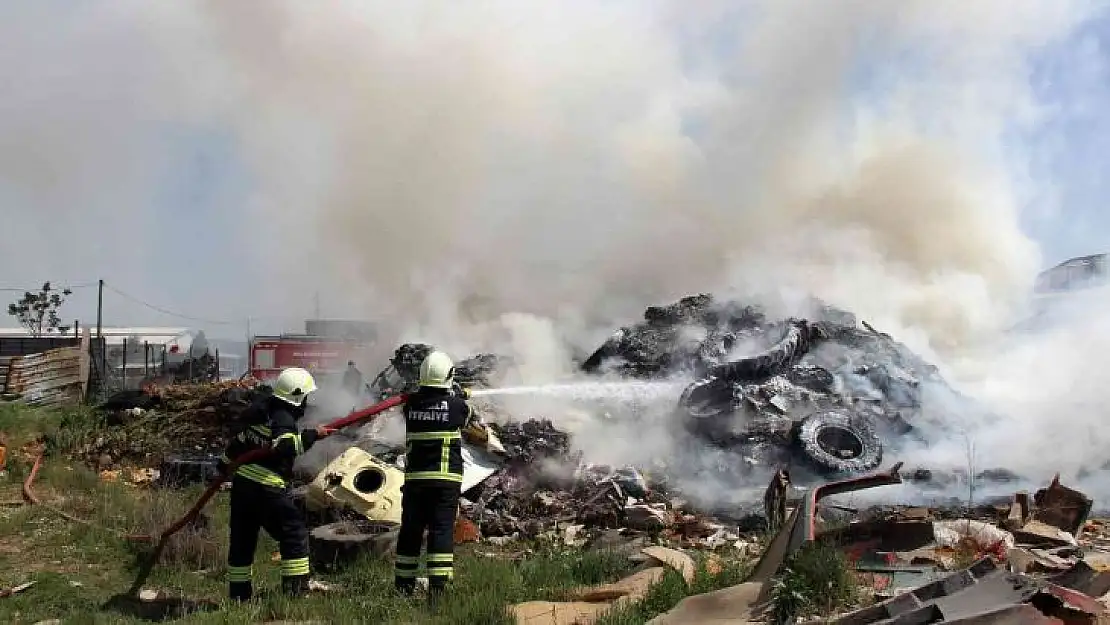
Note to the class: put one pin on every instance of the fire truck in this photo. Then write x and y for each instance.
(323, 349)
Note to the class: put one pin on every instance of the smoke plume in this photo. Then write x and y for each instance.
(523, 176)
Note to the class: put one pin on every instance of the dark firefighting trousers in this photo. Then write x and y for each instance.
(253, 507)
(427, 505)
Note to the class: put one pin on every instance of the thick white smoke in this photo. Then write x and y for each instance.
(521, 176)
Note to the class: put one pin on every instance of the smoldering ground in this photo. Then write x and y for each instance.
(521, 177)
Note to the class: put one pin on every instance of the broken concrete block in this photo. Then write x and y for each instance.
(1019, 512)
(1038, 534)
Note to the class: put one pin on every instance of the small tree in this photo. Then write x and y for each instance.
(38, 312)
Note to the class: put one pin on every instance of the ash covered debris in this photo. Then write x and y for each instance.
(403, 371)
(827, 391)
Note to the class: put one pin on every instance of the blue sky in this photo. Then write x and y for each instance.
(1074, 78)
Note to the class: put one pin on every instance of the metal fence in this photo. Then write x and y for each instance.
(132, 363)
(47, 371)
(24, 345)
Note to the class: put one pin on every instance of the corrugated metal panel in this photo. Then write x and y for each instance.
(47, 379)
(981, 589)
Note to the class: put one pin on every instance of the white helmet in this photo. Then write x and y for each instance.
(437, 370)
(293, 385)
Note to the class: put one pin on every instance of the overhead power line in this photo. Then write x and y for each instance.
(167, 311)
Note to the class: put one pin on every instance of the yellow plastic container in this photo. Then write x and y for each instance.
(361, 482)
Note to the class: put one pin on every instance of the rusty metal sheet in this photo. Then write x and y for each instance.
(968, 595)
(801, 527)
(1062, 507)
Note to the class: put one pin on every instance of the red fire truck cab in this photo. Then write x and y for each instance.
(324, 357)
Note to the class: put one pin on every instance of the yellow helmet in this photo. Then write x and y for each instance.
(437, 370)
(293, 385)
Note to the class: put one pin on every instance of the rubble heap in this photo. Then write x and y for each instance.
(791, 380)
(546, 489)
(146, 426)
(404, 370)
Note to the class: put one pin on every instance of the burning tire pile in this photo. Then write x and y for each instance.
(824, 392)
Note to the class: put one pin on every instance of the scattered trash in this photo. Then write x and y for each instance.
(983, 536)
(466, 531)
(587, 605)
(334, 546)
(359, 482)
(15, 590)
(735, 604)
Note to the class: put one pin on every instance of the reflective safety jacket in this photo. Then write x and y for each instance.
(279, 432)
(434, 419)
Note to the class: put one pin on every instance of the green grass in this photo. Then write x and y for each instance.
(816, 581)
(664, 595)
(78, 568)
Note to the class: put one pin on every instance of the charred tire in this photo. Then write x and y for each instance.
(814, 378)
(332, 547)
(795, 342)
(706, 399)
(835, 442)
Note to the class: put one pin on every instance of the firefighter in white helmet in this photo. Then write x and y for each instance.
(434, 417)
(260, 496)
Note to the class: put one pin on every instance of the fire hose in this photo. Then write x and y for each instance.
(213, 487)
(250, 456)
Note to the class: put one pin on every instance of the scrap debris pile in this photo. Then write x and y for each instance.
(827, 392)
(541, 487)
(146, 426)
(403, 371)
(1030, 557)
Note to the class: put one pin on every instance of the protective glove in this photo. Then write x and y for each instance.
(475, 430)
(460, 391)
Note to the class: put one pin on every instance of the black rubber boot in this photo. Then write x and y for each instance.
(405, 585)
(240, 591)
(295, 586)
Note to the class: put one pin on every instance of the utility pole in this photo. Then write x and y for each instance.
(103, 375)
(317, 304)
(99, 309)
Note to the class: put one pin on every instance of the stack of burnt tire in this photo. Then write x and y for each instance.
(404, 369)
(825, 386)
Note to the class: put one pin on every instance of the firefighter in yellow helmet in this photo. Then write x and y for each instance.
(260, 496)
(434, 417)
